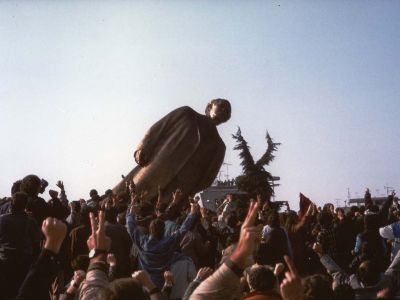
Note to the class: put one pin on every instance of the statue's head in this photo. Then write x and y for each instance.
(219, 110)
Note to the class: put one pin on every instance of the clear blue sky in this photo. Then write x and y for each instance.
(81, 82)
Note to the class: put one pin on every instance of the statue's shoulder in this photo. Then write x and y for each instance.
(185, 111)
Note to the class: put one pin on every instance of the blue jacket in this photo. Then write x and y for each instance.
(155, 256)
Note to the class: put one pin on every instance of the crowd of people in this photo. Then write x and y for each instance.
(119, 246)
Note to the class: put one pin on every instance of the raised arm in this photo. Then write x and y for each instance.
(224, 283)
(99, 245)
(63, 195)
(339, 275)
(42, 273)
(133, 230)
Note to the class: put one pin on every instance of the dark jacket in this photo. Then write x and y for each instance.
(121, 244)
(40, 276)
(19, 236)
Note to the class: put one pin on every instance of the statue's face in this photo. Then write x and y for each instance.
(218, 113)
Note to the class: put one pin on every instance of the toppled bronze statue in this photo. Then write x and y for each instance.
(182, 150)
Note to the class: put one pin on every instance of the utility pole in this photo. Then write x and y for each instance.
(227, 169)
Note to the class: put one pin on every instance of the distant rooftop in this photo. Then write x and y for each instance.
(360, 201)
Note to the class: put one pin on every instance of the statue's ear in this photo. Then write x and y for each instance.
(208, 108)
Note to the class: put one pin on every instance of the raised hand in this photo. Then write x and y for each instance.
(250, 236)
(144, 279)
(195, 208)
(177, 196)
(291, 288)
(317, 247)
(169, 278)
(60, 185)
(279, 267)
(54, 230)
(98, 238)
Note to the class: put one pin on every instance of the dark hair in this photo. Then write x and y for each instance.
(16, 187)
(273, 219)
(226, 108)
(163, 207)
(19, 201)
(84, 213)
(43, 185)
(261, 279)
(123, 197)
(76, 204)
(325, 219)
(339, 209)
(344, 292)
(123, 289)
(291, 220)
(111, 214)
(232, 220)
(93, 193)
(317, 287)
(145, 209)
(30, 184)
(369, 273)
(156, 228)
(371, 223)
(53, 194)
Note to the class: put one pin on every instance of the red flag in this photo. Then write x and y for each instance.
(304, 203)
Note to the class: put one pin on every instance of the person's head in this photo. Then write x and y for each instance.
(123, 197)
(31, 185)
(144, 209)
(273, 219)
(43, 185)
(93, 193)
(291, 220)
(261, 279)
(369, 273)
(343, 292)
(19, 201)
(373, 209)
(162, 208)
(156, 228)
(371, 223)
(53, 194)
(111, 214)
(219, 110)
(123, 289)
(340, 213)
(231, 220)
(16, 187)
(229, 197)
(317, 287)
(85, 215)
(75, 206)
(325, 219)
